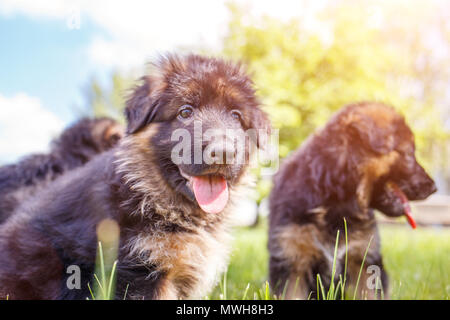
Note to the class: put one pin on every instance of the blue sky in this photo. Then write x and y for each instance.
(45, 59)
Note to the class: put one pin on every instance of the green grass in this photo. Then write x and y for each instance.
(248, 265)
(104, 276)
(417, 261)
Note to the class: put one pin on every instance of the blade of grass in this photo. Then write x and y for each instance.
(346, 261)
(317, 287)
(100, 287)
(333, 269)
(92, 293)
(361, 268)
(267, 292)
(283, 294)
(111, 278)
(319, 280)
(102, 266)
(246, 291)
(223, 286)
(126, 291)
(297, 280)
(338, 287)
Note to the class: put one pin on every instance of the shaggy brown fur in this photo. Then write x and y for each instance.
(341, 172)
(74, 147)
(169, 247)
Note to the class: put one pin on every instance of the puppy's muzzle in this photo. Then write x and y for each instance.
(220, 153)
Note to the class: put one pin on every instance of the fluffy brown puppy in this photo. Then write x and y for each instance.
(74, 147)
(172, 217)
(363, 159)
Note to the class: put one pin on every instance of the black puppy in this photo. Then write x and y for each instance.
(73, 148)
(172, 215)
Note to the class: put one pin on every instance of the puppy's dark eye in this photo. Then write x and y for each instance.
(186, 111)
(236, 114)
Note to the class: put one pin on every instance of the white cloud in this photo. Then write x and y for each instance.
(121, 54)
(136, 28)
(139, 29)
(25, 126)
(41, 8)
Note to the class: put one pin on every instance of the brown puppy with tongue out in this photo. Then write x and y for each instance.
(169, 185)
(363, 159)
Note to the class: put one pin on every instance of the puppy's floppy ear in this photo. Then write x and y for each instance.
(141, 107)
(379, 139)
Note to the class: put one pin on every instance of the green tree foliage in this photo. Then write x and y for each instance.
(305, 75)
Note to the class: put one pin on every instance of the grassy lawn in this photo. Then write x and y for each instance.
(418, 263)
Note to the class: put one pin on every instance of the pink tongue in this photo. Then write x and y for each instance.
(211, 193)
(404, 199)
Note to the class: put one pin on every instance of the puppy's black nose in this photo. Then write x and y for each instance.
(430, 186)
(425, 188)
